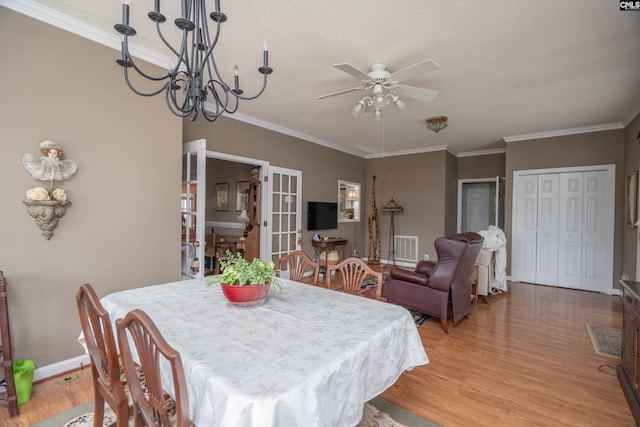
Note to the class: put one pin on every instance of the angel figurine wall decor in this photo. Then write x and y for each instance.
(47, 206)
(51, 165)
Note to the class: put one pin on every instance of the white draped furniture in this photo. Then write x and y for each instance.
(492, 262)
(307, 357)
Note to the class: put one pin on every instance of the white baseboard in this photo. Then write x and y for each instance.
(60, 367)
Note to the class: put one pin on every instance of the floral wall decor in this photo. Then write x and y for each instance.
(48, 205)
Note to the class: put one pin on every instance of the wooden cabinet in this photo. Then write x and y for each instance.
(254, 203)
(9, 395)
(629, 368)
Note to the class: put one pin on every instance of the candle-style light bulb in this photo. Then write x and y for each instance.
(125, 12)
(236, 78)
(266, 54)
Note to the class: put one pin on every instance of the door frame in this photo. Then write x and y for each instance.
(198, 147)
(265, 244)
(461, 182)
(610, 169)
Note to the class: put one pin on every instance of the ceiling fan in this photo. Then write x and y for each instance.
(380, 79)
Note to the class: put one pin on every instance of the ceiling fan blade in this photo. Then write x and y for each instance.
(414, 92)
(350, 69)
(341, 92)
(415, 70)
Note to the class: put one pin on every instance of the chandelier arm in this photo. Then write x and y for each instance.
(171, 104)
(249, 98)
(165, 41)
(171, 95)
(126, 57)
(126, 79)
(210, 60)
(220, 105)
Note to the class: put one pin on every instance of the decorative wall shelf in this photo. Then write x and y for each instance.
(46, 213)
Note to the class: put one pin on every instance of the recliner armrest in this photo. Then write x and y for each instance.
(409, 276)
(426, 267)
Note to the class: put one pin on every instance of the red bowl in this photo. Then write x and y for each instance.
(246, 296)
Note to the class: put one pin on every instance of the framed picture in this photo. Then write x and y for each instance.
(242, 195)
(630, 199)
(222, 196)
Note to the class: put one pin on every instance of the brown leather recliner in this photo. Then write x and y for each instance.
(438, 289)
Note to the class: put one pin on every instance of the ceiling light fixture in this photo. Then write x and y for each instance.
(193, 77)
(378, 100)
(437, 123)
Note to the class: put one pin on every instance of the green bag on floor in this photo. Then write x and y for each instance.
(23, 376)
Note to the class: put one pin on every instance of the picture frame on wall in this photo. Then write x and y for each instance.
(630, 199)
(242, 195)
(222, 196)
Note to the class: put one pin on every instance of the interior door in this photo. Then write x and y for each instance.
(285, 206)
(476, 212)
(547, 244)
(525, 228)
(570, 233)
(597, 247)
(480, 203)
(193, 209)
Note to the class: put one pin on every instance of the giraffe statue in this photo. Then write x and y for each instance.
(373, 255)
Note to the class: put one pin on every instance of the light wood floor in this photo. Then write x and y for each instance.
(523, 359)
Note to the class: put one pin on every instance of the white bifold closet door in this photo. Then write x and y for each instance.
(563, 230)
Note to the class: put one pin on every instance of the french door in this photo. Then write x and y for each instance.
(563, 223)
(192, 208)
(285, 205)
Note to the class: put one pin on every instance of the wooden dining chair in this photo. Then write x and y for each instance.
(103, 352)
(298, 263)
(354, 271)
(150, 399)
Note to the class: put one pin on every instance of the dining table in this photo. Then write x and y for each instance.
(308, 356)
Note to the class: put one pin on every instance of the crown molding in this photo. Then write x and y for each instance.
(632, 115)
(412, 151)
(482, 152)
(287, 131)
(563, 132)
(75, 26)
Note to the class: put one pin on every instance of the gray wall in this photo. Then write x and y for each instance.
(418, 182)
(123, 228)
(486, 166)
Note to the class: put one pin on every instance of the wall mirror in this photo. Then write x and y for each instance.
(349, 199)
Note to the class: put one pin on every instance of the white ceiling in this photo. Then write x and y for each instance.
(508, 67)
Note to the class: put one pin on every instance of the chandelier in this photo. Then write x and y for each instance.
(193, 79)
(378, 100)
(437, 123)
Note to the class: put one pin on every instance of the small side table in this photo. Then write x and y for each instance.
(328, 245)
(474, 285)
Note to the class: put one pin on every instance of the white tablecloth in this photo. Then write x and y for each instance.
(307, 357)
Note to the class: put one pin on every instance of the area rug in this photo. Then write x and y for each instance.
(606, 341)
(368, 290)
(377, 413)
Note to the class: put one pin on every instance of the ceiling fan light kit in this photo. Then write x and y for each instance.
(380, 80)
(193, 77)
(437, 123)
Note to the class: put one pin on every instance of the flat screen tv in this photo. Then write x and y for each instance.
(322, 215)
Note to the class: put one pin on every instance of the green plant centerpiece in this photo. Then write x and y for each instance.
(244, 283)
(237, 271)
